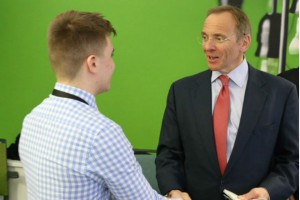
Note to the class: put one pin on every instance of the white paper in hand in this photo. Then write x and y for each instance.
(230, 195)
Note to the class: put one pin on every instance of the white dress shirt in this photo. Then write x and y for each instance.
(237, 86)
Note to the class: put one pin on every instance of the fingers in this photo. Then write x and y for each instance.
(185, 196)
(292, 197)
(255, 194)
(178, 195)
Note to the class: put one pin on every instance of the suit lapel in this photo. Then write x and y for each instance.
(255, 97)
(203, 116)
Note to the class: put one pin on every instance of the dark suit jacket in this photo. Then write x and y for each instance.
(293, 76)
(266, 149)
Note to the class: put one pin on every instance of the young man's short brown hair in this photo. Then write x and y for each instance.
(72, 37)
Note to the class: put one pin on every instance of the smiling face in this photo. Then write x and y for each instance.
(222, 48)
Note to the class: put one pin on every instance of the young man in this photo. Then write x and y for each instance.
(244, 139)
(69, 150)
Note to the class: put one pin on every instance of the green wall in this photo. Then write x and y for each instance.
(156, 44)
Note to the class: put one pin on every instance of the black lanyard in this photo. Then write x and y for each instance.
(67, 95)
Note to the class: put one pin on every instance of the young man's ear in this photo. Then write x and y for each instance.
(91, 63)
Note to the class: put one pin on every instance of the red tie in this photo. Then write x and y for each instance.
(220, 117)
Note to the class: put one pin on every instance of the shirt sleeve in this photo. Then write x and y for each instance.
(112, 159)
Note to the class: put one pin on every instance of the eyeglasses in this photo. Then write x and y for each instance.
(218, 39)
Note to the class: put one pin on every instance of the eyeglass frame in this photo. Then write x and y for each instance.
(224, 39)
(216, 39)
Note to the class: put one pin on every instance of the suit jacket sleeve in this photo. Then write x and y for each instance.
(284, 175)
(169, 161)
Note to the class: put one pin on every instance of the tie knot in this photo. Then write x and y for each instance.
(224, 79)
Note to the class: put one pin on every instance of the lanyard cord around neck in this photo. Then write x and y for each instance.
(67, 95)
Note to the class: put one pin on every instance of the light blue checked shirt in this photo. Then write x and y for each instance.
(69, 150)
